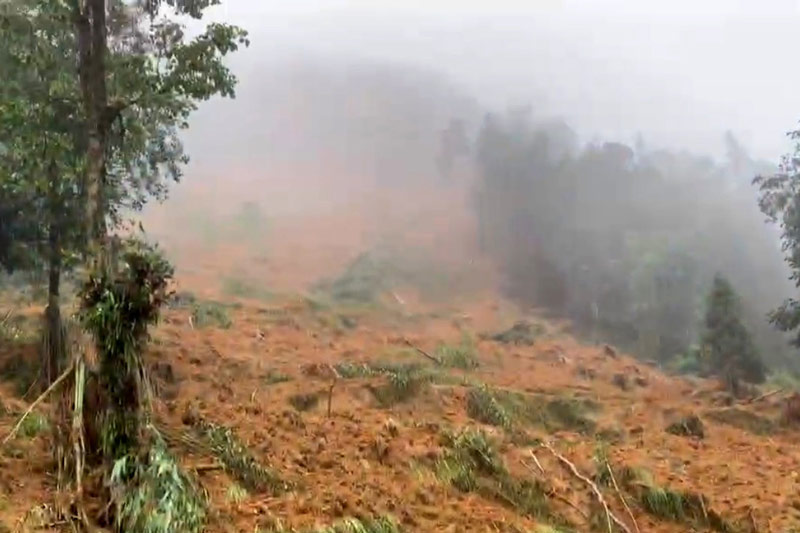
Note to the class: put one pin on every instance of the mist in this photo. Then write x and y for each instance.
(642, 121)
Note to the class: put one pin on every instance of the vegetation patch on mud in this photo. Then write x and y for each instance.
(471, 463)
(506, 408)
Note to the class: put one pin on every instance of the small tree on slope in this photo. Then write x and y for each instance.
(732, 355)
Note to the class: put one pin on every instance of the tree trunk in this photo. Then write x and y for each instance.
(54, 345)
(90, 27)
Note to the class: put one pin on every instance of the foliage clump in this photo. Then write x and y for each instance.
(676, 506)
(238, 461)
(483, 406)
(381, 524)
(463, 356)
(471, 463)
(505, 408)
(361, 283)
(154, 495)
(214, 314)
(117, 305)
(731, 352)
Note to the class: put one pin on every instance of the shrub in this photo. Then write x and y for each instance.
(463, 356)
(160, 498)
(210, 314)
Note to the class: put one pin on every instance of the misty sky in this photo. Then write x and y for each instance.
(679, 71)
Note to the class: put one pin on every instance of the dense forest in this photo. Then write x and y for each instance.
(626, 240)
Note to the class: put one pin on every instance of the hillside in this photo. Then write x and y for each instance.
(435, 420)
(406, 437)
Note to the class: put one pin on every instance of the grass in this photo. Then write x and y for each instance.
(506, 409)
(403, 381)
(667, 504)
(210, 314)
(273, 377)
(304, 402)
(483, 406)
(382, 524)
(34, 424)
(471, 463)
(236, 494)
(239, 462)
(463, 355)
(154, 495)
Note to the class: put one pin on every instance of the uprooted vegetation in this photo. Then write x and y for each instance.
(512, 409)
(237, 460)
(471, 463)
(382, 524)
(677, 506)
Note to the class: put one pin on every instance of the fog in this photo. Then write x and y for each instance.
(633, 133)
(680, 72)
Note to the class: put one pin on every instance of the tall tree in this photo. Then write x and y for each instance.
(731, 352)
(111, 141)
(780, 201)
(40, 163)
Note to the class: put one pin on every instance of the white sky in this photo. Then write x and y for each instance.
(679, 71)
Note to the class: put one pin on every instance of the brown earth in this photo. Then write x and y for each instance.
(364, 460)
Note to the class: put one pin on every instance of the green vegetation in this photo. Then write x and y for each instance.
(273, 377)
(239, 463)
(403, 381)
(33, 425)
(463, 355)
(509, 408)
(210, 314)
(682, 507)
(383, 524)
(159, 497)
(361, 283)
(236, 494)
(471, 463)
(731, 351)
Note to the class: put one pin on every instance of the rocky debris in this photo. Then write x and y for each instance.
(687, 426)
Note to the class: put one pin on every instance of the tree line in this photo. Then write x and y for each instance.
(642, 247)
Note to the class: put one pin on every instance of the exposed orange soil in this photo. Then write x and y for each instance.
(338, 463)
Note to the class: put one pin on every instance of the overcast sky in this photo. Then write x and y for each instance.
(679, 71)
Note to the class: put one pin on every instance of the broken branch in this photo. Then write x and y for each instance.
(621, 497)
(423, 352)
(36, 402)
(598, 495)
